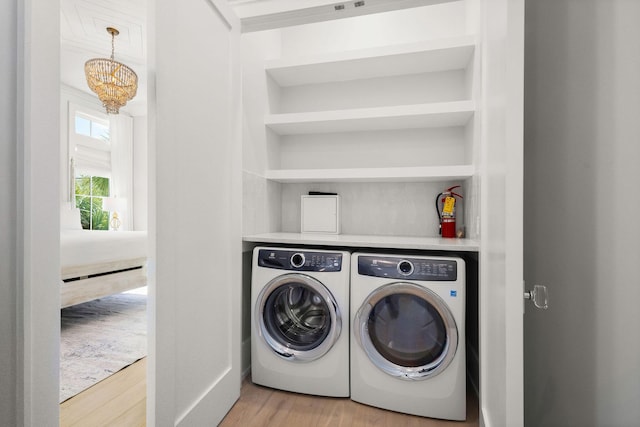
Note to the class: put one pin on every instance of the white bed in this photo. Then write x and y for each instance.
(95, 264)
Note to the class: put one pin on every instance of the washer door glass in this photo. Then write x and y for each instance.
(298, 317)
(407, 331)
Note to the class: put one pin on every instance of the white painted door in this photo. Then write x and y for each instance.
(195, 218)
(501, 188)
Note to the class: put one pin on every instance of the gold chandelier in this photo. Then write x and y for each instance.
(112, 81)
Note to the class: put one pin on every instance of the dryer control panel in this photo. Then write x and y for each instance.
(283, 259)
(425, 269)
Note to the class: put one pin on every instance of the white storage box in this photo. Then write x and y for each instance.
(320, 214)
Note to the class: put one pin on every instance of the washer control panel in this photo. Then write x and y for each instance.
(284, 259)
(425, 269)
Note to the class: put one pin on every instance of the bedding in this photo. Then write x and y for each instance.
(96, 264)
(80, 247)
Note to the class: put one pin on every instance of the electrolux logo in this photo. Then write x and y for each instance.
(453, 293)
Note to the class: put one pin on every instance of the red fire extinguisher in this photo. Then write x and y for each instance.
(446, 208)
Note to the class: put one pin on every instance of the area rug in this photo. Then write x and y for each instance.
(99, 338)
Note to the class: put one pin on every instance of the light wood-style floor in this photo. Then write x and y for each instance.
(120, 400)
(261, 406)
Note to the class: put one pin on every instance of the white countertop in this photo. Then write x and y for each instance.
(351, 240)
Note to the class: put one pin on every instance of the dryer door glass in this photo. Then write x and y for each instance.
(299, 318)
(407, 331)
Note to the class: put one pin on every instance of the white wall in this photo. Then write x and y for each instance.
(372, 208)
(582, 154)
(415, 24)
(140, 173)
(8, 220)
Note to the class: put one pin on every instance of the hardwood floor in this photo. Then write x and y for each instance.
(119, 400)
(261, 406)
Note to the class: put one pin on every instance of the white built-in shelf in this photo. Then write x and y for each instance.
(441, 114)
(428, 56)
(363, 241)
(397, 174)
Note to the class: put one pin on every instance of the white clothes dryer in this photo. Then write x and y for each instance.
(407, 340)
(300, 315)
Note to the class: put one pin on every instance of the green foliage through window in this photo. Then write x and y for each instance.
(90, 191)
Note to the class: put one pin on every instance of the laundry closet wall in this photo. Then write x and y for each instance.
(380, 206)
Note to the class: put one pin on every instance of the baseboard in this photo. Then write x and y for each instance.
(483, 419)
(213, 404)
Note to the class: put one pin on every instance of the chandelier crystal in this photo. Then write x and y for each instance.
(112, 81)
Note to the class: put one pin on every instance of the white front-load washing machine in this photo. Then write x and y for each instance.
(299, 317)
(407, 339)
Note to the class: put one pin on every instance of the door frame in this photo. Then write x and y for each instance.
(37, 258)
(38, 212)
(501, 206)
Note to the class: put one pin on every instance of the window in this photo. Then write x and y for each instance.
(100, 156)
(90, 147)
(92, 127)
(90, 143)
(90, 192)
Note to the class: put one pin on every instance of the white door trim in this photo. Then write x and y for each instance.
(38, 210)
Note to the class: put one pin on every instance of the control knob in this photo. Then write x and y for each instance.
(297, 260)
(405, 267)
